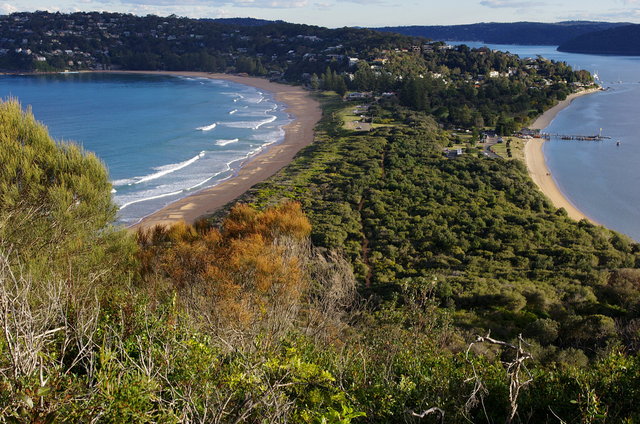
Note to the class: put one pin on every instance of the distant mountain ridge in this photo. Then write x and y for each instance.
(623, 41)
(527, 33)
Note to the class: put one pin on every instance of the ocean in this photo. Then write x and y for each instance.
(601, 179)
(161, 137)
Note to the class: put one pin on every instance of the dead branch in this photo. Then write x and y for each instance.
(517, 372)
(430, 411)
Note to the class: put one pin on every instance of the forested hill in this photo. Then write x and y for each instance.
(43, 41)
(461, 87)
(619, 41)
(529, 33)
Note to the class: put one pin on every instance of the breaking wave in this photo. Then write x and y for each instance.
(225, 142)
(161, 171)
(208, 127)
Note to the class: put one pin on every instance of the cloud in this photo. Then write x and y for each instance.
(496, 4)
(6, 8)
(261, 4)
(275, 4)
(624, 15)
(255, 4)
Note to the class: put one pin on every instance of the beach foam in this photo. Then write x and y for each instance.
(225, 142)
(208, 127)
(161, 171)
(200, 184)
(145, 199)
(250, 124)
(266, 121)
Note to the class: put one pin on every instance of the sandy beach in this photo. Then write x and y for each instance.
(299, 133)
(538, 170)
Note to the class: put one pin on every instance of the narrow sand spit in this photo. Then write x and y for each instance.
(538, 170)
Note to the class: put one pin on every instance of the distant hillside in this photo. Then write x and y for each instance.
(624, 40)
(531, 33)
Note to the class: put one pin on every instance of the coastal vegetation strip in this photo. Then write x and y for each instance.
(479, 225)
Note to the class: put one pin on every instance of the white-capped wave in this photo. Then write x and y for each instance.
(231, 112)
(161, 171)
(123, 182)
(159, 196)
(228, 168)
(250, 124)
(266, 121)
(236, 96)
(225, 142)
(208, 127)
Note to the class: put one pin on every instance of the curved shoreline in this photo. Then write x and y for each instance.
(537, 165)
(299, 133)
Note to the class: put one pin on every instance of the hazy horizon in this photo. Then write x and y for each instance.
(363, 13)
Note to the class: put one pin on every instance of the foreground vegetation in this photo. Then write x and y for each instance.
(363, 312)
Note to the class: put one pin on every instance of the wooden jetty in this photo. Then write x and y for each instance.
(597, 137)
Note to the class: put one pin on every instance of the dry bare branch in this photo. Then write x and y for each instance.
(516, 369)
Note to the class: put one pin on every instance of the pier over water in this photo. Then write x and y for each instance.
(597, 137)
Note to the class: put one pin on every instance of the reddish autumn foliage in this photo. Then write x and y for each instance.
(238, 273)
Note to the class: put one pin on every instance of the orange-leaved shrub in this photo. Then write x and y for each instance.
(248, 270)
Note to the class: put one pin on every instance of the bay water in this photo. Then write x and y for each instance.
(602, 179)
(161, 137)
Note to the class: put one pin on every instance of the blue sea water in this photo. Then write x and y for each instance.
(161, 137)
(601, 179)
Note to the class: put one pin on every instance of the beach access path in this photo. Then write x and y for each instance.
(537, 166)
(299, 133)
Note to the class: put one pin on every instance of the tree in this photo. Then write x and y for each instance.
(328, 82)
(52, 195)
(315, 81)
(340, 86)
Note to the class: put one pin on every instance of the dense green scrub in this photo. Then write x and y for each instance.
(476, 231)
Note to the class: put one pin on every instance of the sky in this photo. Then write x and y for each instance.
(339, 13)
